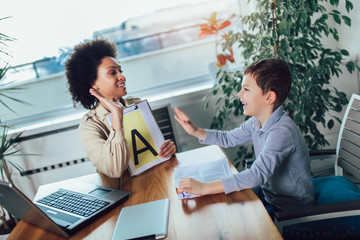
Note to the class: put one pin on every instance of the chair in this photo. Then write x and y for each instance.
(163, 118)
(336, 212)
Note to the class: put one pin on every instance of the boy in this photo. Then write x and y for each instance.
(282, 165)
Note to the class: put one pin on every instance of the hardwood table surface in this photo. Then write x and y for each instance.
(238, 215)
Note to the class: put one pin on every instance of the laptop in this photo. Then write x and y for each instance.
(66, 209)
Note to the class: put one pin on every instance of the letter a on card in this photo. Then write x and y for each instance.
(143, 135)
(139, 138)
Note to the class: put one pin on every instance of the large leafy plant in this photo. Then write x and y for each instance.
(293, 31)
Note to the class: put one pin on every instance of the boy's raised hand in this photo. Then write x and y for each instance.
(187, 124)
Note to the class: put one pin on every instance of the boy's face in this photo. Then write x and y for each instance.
(252, 97)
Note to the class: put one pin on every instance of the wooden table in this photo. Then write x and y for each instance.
(238, 215)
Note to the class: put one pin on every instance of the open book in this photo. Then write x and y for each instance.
(143, 136)
(213, 166)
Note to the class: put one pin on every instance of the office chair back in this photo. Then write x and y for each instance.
(348, 146)
(337, 199)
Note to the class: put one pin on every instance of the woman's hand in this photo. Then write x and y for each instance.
(114, 106)
(168, 149)
(111, 105)
(188, 126)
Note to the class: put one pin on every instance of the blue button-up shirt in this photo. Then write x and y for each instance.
(282, 165)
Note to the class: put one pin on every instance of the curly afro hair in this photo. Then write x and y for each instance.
(81, 69)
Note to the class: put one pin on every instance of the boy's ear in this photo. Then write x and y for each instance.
(270, 97)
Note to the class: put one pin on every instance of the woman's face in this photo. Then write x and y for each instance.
(110, 82)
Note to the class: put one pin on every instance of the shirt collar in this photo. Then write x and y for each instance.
(274, 117)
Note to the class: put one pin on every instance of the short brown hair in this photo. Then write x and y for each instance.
(272, 75)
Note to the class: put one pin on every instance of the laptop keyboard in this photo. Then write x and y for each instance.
(73, 202)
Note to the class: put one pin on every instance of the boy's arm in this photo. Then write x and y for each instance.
(192, 186)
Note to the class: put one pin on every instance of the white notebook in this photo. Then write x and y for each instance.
(146, 220)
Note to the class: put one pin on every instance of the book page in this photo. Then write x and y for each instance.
(203, 172)
(200, 155)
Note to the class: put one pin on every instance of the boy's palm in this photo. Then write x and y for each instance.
(184, 121)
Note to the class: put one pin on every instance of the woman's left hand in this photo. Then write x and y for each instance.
(167, 149)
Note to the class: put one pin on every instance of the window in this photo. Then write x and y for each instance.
(170, 33)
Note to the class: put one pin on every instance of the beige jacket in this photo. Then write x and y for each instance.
(107, 149)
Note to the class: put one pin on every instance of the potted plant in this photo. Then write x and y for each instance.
(8, 148)
(9, 144)
(292, 31)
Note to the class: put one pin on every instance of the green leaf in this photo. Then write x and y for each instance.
(337, 18)
(217, 102)
(236, 103)
(330, 124)
(206, 105)
(350, 66)
(336, 35)
(322, 8)
(349, 6)
(344, 52)
(347, 20)
(338, 119)
(334, 2)
(282, 26)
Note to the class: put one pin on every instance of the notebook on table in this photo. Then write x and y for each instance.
(65, 210)
(143, 221)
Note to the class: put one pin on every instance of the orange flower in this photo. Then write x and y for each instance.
(213, 26)
(222, 58)
(225, 37)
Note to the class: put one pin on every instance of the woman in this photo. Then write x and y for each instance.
(95, 80)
